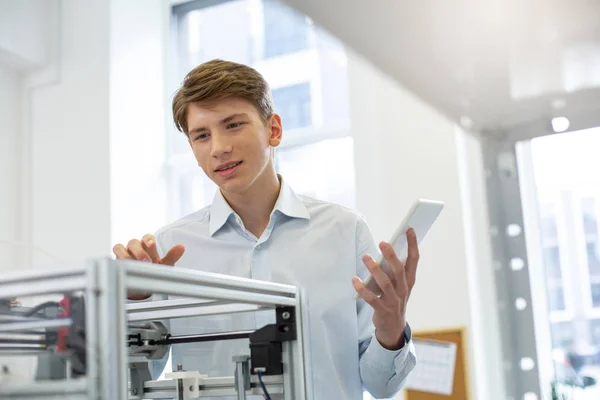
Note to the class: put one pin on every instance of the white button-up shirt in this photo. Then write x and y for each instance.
(310, 244)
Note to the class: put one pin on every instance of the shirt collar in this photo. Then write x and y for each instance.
(288, 203)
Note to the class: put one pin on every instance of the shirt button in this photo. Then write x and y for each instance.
(258, 246)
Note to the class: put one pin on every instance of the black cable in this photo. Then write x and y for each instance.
(262, 385)
(40, 307)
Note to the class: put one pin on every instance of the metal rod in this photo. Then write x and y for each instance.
(32, 332)
(39, 324)
(180, 384)
(240, 381)
(22, 348)
(24, 341)
(206, 337)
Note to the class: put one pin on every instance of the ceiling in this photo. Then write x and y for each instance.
(497, 66)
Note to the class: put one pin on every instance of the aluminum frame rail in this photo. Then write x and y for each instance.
(104, 283)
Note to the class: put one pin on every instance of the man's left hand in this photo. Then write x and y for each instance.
(389, 315)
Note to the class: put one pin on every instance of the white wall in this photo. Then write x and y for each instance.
(98, 94)
(407, 150)
(57, 109)
(68, 137)
(23, 33)
(10, 101)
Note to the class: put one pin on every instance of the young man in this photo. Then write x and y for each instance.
(258, 227)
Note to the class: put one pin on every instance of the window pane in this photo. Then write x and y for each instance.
(286, 31)
(562, 335)
(556, 299)
(196, 190)
(595, 330)
(595, 288)
(324, 170)
(552, 262)
(549, 230)
(593, 257)
(293, 104)
(590, 224)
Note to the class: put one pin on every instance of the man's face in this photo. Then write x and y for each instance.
(231, 142)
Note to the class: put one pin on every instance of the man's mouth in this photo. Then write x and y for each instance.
(229, 166)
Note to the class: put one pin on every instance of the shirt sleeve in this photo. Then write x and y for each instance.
(383, 372)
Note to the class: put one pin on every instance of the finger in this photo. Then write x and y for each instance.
(381, 278)
(121, 252)
(149, 244)
(136, 249)
(412, 260)
(173, 255)
(397, 267)
(365, 293)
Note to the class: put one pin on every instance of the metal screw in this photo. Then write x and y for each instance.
(179, 367)
(191, 388)
(5, 369)
(135, 391)
(285, 315)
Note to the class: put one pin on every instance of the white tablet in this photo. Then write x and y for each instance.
(420, 217)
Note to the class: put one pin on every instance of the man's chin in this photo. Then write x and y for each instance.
(231, 185)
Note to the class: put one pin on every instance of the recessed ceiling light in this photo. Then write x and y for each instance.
(560, 124)
(558, 104)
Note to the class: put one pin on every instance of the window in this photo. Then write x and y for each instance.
(304, 67)
(562, 335)
(567, 211)
(590, 224)
(293, 104)
(595, 331)
(551, 257)
(556, 298)
(552, 262)
(593, 257)
(595, 288)
(548, 226)
(335, 156)
(286, 31)
(590, 228)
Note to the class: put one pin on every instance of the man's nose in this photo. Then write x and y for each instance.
(220, 145)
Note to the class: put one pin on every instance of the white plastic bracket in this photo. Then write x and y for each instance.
(191, 383)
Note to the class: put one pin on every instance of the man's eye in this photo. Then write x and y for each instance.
(202, 136)
(234, 125)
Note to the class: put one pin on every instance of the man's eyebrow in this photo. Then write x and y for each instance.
(223, 121)
(231, 117)
(199, 129)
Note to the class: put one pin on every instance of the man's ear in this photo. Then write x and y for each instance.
(275, 130)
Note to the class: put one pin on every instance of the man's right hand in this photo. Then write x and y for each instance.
(145, 250)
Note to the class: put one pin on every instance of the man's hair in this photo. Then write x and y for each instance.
(217, 80)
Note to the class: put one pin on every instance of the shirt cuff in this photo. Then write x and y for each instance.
(384, 358)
